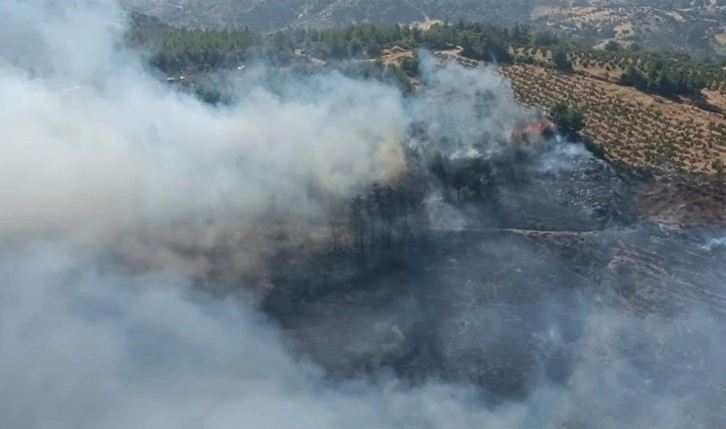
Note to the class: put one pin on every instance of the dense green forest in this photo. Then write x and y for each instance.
(175, 51)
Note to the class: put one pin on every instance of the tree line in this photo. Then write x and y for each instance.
(176, 50)
(664, 79)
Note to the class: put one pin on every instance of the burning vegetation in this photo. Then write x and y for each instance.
(542, 128)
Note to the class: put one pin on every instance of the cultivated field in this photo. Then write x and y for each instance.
(638, 129)
(632, 127)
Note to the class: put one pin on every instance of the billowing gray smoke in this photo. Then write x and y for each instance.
(82, 347)
(105, 174)
(99, 146)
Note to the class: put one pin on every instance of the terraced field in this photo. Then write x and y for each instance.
(631, 127)
(638, 129)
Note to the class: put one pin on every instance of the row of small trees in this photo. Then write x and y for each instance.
(568, 118)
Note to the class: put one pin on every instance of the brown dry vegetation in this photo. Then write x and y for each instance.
(396, 54)
(663, 27)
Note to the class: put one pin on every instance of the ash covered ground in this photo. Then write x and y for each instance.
(553, 280)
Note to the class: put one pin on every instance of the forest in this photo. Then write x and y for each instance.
(178, 50)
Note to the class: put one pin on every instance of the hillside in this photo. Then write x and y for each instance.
(682, 145)
(695, 28)
(466, 268)
(678, 105)
(346, 228)
(670, 134)
(268, 15)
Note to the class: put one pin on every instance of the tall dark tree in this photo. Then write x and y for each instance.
(568, 118)
(561, 60)
(358, 223)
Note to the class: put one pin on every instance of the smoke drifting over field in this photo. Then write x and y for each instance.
(463, 108)
(105, 174)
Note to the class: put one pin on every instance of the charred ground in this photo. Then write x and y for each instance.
(489, 266)
(541, 264)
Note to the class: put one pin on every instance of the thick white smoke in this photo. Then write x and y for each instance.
(468, 112)
(93, 145)
(84, 348)
(95, 151)
(98, 152)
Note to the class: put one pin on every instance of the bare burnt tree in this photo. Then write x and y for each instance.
(358, 224)
(380, 217)
(338, 226)
(371, 212)
(380, 208)
(389, 213)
